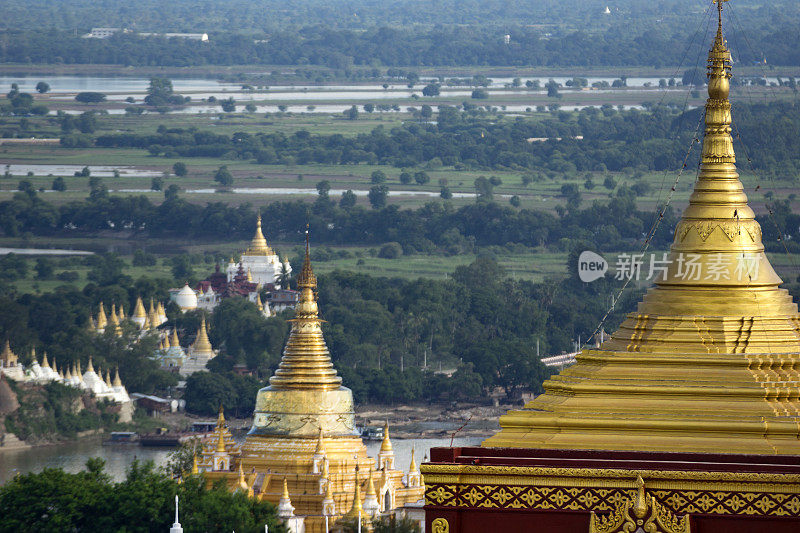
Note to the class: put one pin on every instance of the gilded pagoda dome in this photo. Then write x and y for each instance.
(709, 361)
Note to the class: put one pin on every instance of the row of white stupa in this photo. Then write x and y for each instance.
(145, 320)
(36, 372)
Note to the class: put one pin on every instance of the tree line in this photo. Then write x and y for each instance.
(457, 45)
(593, 139)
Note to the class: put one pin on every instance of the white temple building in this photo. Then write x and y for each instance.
(262, 264)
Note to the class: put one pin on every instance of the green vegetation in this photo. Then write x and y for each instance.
(54, 500)
(56, 411)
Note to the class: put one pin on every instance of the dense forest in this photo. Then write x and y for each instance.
(387, 46)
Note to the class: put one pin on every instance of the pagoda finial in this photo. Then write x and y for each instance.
(306, 362)
(195, 469)
(220, 440)
(386, 445)
(357, 508)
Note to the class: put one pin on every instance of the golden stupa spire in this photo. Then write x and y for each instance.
(118, 382)
(306, 362)
(241, 481)
(68, 375)
(386, 444)
(370, 487)
(121, 312)
(8, 356)
(220, 440)
(357, 507)
(101, 318)
(138, 309)
(195, 469)
(174, 341)
(249, 275)
(220, 417)
(201, 342)
(708, 361)
(45, 364)
(90, 367)
(413, 468)
(258, 246)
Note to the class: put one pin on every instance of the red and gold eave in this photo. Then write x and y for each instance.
(480, 490)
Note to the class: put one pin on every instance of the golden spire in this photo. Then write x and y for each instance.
(90, 368)
(101, 317)
(108, 379)
(68, 375)
(285, 494)
(412, 468)
(370, 487)
(118, 382)
(258, 302)
(146, 324)
(220, 440)
(121, 313)
(258, 246)
(8, 357)
(306, 362)
(138, 310)
(357, 507)
(195, 469)
(386, 445)
(92, 325)
(174, 341)
(201, 342)
(220, 417)
(706, 361)
(45, 364)
(78, 367)
(162, 313)
(249, 275)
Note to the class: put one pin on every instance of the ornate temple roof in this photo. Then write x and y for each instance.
(708, 362)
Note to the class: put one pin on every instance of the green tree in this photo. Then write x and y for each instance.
(378, 177)
(377, 196)
(44, 268)
(432, 89)
(352, 113)
(42, 87)
(348, 199)
(223, 176)
(59, 184)
(179, 169)
(90, 97)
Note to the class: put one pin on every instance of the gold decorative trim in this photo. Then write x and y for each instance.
(534, 474)
(440, 525)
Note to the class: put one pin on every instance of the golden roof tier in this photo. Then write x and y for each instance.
(258, 246)
(709, 361)
(305, 393)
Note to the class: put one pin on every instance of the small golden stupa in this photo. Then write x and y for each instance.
(303, 450)
(709, 361)
(258, 246)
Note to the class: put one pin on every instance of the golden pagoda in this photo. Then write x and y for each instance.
(709, 360)
(8, 357)
(101, 319)
(684, 420)
(139, 315)
(304, 432)
(258, 246)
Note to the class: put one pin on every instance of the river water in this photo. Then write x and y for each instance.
(72, 456)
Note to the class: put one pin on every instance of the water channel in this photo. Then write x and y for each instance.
(72, 456)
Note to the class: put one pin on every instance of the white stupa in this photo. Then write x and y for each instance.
(260, 261)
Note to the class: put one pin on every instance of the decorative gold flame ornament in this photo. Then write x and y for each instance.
(709, 361)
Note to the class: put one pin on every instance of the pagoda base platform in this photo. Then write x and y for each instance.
(487, 490)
